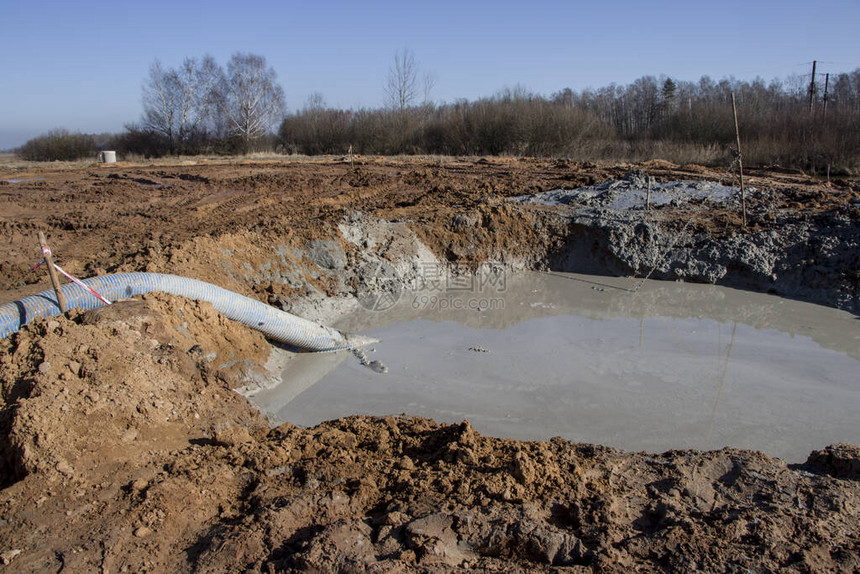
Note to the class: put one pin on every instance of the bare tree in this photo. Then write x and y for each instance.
(160, 98)
(201, 83)
(428, 84)
(401, 87)
(253, 100)
(315, 103)
(178, 102)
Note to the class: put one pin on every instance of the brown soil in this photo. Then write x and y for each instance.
(183, 217)
(125, 449)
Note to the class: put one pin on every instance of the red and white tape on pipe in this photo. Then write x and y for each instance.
(77, 281)
(73, 279)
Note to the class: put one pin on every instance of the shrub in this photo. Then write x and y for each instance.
(140, 142)
(59, 145)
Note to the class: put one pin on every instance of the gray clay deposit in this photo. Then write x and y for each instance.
(671, 366)
(637, 190)
(609, 231)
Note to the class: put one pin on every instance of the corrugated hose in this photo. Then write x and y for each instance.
(273, 323)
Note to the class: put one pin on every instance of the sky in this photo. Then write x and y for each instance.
(80, 65)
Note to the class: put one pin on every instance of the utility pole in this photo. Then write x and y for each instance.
(812, 88)
(826, 82)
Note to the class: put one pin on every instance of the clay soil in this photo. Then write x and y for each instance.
(125, 449)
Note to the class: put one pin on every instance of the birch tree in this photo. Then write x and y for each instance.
(177, 103)
(160, 98)
(200, 83)
(401, 87)
(253, 100)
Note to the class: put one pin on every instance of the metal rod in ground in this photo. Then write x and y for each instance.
(740, 160)
(52, 273)
(648, 197)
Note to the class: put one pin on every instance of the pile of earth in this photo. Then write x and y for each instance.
(125, 449)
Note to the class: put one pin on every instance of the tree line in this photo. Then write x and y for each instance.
(685, 122)
(200, 107)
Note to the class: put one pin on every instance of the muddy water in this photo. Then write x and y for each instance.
(593, 359)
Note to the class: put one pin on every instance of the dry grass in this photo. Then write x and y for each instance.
(11, 162)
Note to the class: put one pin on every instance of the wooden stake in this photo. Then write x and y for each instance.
(52, 273)
(740, 161)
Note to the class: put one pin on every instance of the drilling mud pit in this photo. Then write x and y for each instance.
(670, 366)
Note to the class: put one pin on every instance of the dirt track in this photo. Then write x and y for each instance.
(125, 449)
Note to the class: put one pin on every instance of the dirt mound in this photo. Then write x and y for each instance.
(126, 450)
(658, 164)
(840, 460)
(370, 494)
(105, 384)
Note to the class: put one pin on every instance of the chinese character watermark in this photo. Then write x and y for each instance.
(436, 287)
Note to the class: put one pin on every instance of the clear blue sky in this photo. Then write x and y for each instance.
(80, 64)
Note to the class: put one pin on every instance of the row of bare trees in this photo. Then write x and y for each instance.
(60, 145)
(648, 106)
(676, 120)
(782, 121)
(200, 107)
(511, 122)
(199, 101)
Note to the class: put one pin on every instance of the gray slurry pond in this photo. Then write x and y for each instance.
(594, 359)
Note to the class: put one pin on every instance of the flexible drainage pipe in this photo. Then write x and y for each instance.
(273, 323)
